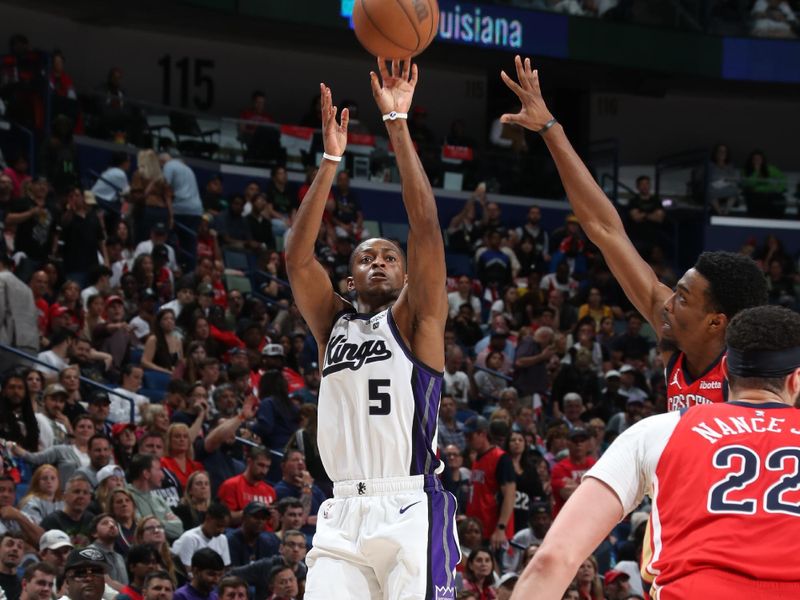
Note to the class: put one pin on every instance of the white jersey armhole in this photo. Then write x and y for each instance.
(628, 466)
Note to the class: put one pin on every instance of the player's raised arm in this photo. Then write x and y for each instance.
(311, 287)
(421, 311)
(596, 213)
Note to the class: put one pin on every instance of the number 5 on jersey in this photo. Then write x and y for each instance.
(380, 403)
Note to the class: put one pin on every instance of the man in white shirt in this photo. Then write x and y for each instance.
(111, 187)
(456, 381)
(184, 296)
(52, 422)
(100, 283)
(211, 534)
(60, 343)
(158, 235)
(121, 410)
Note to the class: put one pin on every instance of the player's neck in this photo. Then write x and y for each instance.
(760, 396)
(699, 357)
(376, 306)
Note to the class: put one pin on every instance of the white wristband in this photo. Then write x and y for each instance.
(393, 116)
(331, 157)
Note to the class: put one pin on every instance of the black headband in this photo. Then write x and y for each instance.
(763, 363)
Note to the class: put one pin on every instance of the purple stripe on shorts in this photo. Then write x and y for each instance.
(443, 551)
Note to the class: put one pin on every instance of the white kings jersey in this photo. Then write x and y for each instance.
(378, 405)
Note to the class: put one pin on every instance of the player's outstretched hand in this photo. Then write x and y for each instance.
(334, 135)
(534, 113)
(394, 91)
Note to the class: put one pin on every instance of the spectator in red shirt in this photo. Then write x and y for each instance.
(238, 491)
(255, 113)
(567, 473)
(493, 484)
(179, 456)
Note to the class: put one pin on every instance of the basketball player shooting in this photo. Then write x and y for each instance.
(689, 321)
(725, 476)
(388, 531)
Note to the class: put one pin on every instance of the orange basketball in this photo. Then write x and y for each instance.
(395, 28)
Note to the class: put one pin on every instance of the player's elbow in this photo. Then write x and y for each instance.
(550, 560)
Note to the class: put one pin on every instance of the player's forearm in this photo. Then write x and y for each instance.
(305, 229)
(417, 193)
(594, 210)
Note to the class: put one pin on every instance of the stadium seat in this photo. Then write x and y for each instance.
(235, 259)
(155, 380)
(191, 139)
(239, 283)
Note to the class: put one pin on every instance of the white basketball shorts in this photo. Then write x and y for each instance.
(385, 539)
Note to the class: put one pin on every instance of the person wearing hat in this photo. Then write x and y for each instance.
(566, 474)
(493, 484)
(207, 570)
(616, 584)
(54, 426)
(54, 546)
(632, 414)
(84, 574)
(505, 585)
(250, 541)
(158, 236)
(98, 406)
(539, 521)
(273, 356)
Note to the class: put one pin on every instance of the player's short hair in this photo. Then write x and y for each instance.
(735, 282)
(765, 328)
(392, 242)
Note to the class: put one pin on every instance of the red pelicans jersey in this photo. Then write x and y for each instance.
(725, 485)
(683, 391)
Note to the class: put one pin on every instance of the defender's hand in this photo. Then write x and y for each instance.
(534, 113)
(396, 90)
(334, 135)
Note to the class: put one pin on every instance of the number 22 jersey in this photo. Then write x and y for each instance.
(378, 404)
(725, 485)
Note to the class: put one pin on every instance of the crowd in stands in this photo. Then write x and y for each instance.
(161, 439)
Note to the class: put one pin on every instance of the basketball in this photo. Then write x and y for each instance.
(395, 29)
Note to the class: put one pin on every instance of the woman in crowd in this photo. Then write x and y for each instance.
(123, 232)
(588, 581)
(458, 483)
(479, 574)
(18, 422)
(764, 186)
(506, 307)
(543, 472)
(196, 498)
(34, 381)
(150, 195)
(95, 309)
(529, 488)
(155, 418)
(65, 457)
(70, 378)
(70, 298)
(143, 272)
(489, 384)
(109, 478)
(723, 180)
(200, 333)
(123, 441)
(120, 505)
(44, 494)
(163, 350)
(195, 356)
(470, 536)
(149, 530)
(179, 453)
(594, 308)
(555, 442)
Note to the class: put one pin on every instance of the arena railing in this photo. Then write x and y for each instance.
(90, 382)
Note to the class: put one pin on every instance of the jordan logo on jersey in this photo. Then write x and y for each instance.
(341, 355)
(675, 380)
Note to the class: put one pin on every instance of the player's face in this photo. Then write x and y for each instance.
(686, 317)
(378, 269)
